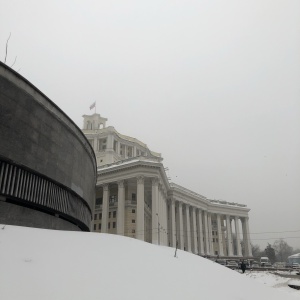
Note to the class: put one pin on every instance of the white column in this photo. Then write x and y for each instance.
(188, 227)
(248, 236)
(165, 218)
(238, 240)
(140, 224)
(160, 227)
(211, 246)
(121, 208)
(206, 234)
(200, 232)
(125, 149)
(220, 240)
(244, 237)
(110, 142)
(105, 208)
(172, 232)
(229, 236)
(155, 211)
(118, 148)
(162, 217)
(168, 243)
(194, 232)
(181, 233)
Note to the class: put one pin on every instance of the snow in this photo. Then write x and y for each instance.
(275, 281)
(40, 264)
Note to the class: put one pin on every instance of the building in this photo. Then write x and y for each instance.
(294, 260)
(135, 198)
(47, 166)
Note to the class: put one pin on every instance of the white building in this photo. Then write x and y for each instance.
(135, 198)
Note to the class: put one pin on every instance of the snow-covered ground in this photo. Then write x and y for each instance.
(273, 280)
(41, 264)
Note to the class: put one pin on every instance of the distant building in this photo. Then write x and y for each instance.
(47, 166)
(135, 198)
(294, 259)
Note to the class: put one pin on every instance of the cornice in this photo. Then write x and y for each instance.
(132, 164)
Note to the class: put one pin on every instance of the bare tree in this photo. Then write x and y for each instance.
(270, 253)
(176, 249)
(295, 251)
(6, 51)
(14, 61)
(282, 250)
(256, 251)
(6, 47)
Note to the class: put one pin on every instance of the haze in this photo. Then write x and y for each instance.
(212, 85)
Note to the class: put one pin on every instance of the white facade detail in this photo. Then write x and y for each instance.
(135, 198)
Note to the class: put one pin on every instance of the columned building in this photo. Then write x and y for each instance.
(134, 198)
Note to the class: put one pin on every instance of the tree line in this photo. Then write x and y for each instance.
(278, 252)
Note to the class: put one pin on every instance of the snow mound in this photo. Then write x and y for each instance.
(39, 264)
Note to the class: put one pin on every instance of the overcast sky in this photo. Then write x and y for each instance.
(213, 85)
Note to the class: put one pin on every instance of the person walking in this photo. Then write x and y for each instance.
(243, 267)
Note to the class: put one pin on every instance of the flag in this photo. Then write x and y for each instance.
(93, 105)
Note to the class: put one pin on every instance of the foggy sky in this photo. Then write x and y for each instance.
(212, 85)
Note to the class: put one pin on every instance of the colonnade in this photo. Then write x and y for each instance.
(192, 229)
(176, 222)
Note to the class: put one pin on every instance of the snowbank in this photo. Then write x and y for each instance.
(39, 264)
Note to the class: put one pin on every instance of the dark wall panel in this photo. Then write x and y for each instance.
(36, 134)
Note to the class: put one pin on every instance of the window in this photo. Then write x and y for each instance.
(112, 199)
(133, 197)
(95, 226)
(114, 214)
(95, 216)
(109, 215)
(115, 146)
(122, 150)
(129, 151)
(108, 225)
(133, 231)
(213, 240)
(99, 201)
(101, 144)
(114, 224)
(99, 226)
(133, 211)
(100, 216)
(133, 221)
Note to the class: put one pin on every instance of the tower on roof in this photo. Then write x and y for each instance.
(92, 122)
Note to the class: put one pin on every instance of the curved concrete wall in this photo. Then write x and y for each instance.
(42, 149)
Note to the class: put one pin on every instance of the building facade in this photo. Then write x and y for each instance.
(134, 198)
(47, 166)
